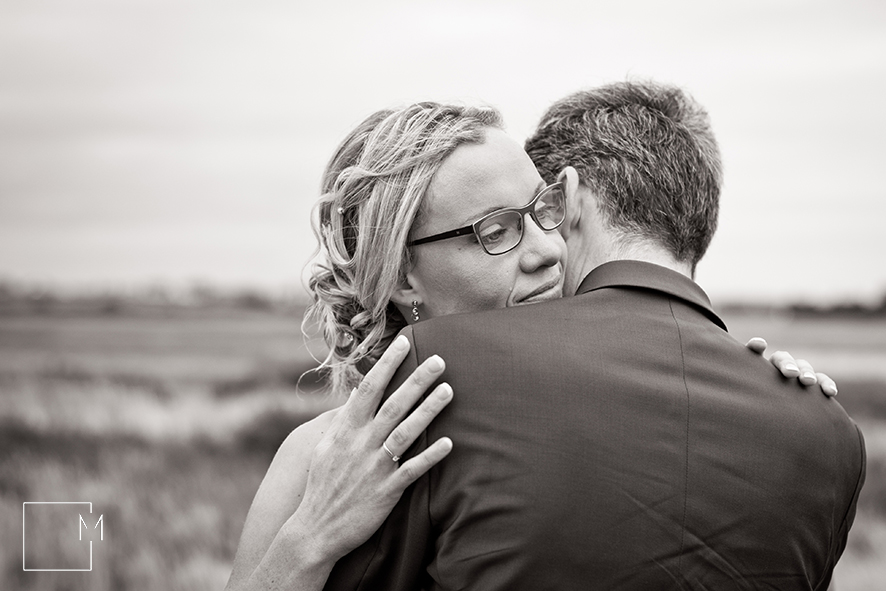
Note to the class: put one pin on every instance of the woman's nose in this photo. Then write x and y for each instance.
(539, 248)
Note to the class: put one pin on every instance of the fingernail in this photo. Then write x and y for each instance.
(808, 375)
(791, 367)
(400, 343)
(435, 363)
(832, 390)
(445, 391)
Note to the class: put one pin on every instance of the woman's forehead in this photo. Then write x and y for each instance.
(479, 178)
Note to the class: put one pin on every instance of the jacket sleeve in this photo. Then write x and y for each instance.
(396, 555)
(841, 536)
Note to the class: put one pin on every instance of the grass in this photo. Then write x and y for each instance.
(167, 422)
(173, 505)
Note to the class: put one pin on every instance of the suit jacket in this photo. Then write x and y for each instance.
(618, 439)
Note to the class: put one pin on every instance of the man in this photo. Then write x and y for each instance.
(620, 438)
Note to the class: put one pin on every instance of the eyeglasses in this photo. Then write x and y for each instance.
(501, 231)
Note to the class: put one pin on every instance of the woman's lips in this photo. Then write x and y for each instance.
(549, 291)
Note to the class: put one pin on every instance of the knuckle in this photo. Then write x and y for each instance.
(349, 419)
(339, 438)
(420, 376)
(400, 437)
(384, 366)
(367, 386)
(409, 471)
(390, 410)
(428, 410)
(779, 359)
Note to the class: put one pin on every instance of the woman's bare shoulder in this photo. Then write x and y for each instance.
(279, 494)
(288, 472)
(300, 443)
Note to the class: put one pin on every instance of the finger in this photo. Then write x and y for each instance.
(409, 429)
(410, 471)
(828, 386)
(785, 363)
(405, 397)
(807, 374)
(757, 345)
(364, 398)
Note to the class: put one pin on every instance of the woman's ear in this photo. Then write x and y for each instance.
(574, 199)
(407, 292)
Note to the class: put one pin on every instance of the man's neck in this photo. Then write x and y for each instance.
(594, 242)
(647, 253)
(655, 255)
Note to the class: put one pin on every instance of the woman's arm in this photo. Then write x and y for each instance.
(278, 496)
(332, 484)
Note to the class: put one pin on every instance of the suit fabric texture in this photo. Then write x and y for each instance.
(617, 439)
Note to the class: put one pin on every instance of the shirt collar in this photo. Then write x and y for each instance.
(643, 275)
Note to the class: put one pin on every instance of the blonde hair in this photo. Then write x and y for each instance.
(373, 189)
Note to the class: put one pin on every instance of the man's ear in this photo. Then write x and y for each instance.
(574, 199)
(407, 292)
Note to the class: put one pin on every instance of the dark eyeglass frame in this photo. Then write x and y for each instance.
(475, 227)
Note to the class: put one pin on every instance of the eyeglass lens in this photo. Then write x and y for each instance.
(502, 232)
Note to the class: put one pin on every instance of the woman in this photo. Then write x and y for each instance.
(389, 188)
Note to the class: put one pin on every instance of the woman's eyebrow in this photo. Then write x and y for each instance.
(538, 189)
(482, 214)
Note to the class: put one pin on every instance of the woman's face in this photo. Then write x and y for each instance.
(457, 275)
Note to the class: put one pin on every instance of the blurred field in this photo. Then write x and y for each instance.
(166, 418)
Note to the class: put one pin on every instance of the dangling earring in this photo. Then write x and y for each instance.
(414, 311)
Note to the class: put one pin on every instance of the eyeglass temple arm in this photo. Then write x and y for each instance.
(443, 236)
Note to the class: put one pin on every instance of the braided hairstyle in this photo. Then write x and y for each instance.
(372, 193)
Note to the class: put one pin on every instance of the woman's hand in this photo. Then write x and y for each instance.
(792, 368)
(355, 477)
(332, 483)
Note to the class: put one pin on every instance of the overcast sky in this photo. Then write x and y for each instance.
(171, 142)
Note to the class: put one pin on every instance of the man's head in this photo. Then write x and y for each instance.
(647, 157)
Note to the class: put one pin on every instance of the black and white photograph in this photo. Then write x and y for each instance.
(437, 296)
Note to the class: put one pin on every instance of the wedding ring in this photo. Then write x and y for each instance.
(384, 446)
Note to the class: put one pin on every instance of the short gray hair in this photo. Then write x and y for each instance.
(648, 153)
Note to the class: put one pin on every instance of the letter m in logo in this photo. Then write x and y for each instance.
(99, 525)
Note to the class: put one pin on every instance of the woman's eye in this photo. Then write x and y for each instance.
(493, 235)
(544, 210)
(551, 213)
